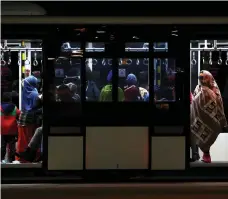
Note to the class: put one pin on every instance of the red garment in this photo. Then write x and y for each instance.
(25, 134)
(9, 122)
(191, 97)
(131, 93)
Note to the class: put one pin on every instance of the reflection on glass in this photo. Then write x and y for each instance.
(160, 46)
(99, 79)
(68, 74)
(95, 47)
(133, 79)
(71, 47)
(164, 79)
(137, 47)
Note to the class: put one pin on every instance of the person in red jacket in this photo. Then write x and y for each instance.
(9, 131)
(131, 91)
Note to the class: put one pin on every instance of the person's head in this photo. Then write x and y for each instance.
(30, 82)
(15, 86)
(64, 92)
(7, 97)
(89, 73)
(72, 87)
(206, 79)
(131, 79)
(27, 72)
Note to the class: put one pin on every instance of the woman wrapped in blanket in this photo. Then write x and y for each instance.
(207, 115)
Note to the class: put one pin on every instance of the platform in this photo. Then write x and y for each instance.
(111, 191)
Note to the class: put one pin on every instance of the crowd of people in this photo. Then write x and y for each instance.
(21, 130)
(18, 126)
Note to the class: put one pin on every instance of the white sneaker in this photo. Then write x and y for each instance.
(16, 162)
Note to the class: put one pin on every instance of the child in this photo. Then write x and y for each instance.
(9, 131)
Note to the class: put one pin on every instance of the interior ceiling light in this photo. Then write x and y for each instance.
(80, 29)
(175, 35)
(135, 37)
(100, 31)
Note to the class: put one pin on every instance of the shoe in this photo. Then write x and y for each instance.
(195, 157)
(206, 158)
(28, 155)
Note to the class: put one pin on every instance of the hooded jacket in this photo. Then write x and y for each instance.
(132, 93)
(106, 92)
(9, 115)
(29, 94)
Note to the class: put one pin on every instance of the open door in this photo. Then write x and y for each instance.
(21, 83)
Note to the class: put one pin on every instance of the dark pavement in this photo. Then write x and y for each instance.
(116, 191)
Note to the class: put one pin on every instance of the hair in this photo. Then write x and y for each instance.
(7, 97)
(63, 87)
(15, 85)
(89, 73)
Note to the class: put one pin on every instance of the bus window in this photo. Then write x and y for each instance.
(161, 47)
(133, 79)
(99, 79)
(68, 73)
(164, 79)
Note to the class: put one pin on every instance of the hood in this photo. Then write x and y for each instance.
(29, 93)
(109, 77)
(132, 93)
(131, 79)
(106, 93)
(7, 108)
(72, 87)
(30, 84)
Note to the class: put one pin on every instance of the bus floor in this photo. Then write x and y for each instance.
(21, 165)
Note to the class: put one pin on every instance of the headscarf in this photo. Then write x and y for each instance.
(132, 92)
(109, 77)
(206, 79)
(72, 87)
(73, 90)
(207, 112)
(29, 93)
(131, 79)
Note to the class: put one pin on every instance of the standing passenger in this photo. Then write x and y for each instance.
(9, 116)
(27, 119)
(207, 114)
(132, 92)
(106, 92)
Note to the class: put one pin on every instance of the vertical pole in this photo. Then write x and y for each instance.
(28, 45)
(21, 58)
(90, 60)
(155, 71)
(198, 62)
(159, 72)
(190, 66)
